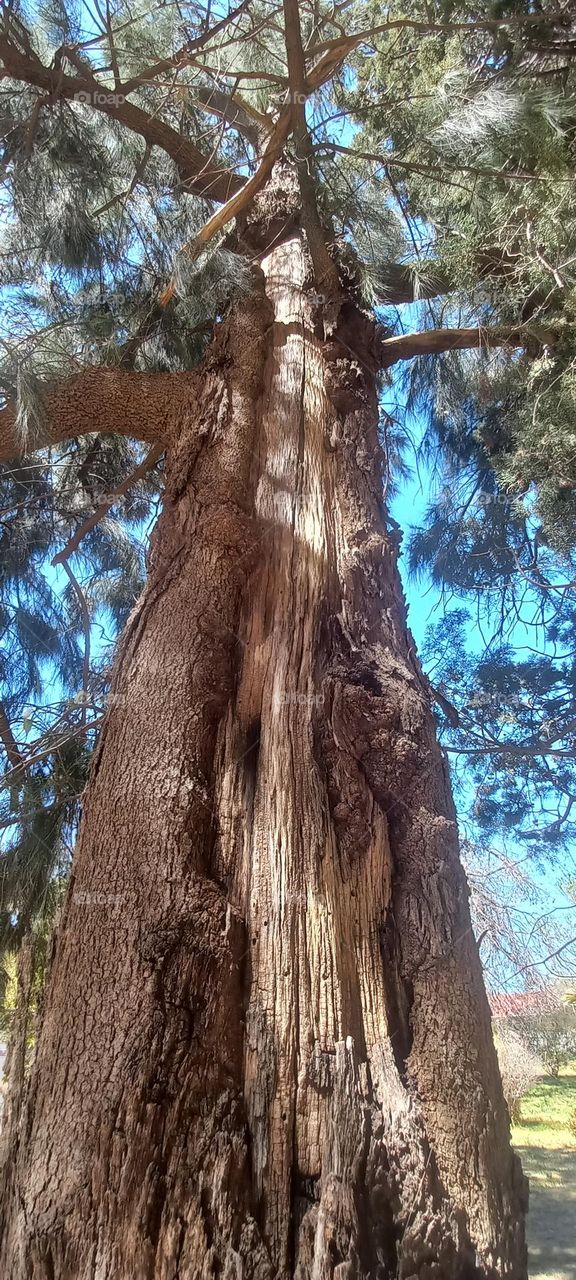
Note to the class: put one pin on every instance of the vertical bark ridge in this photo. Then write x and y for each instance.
(345, 862)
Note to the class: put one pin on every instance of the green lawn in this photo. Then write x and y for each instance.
(547, 1148)
(545, 1113)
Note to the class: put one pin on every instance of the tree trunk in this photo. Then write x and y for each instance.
(266, 1048)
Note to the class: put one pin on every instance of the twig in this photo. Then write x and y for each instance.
(85, 612)
(151, 457)
(28, 761)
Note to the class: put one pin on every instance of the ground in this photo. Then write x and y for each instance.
(547, 1146)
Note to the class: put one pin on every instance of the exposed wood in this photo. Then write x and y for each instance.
(239, 202)
(435, 341)
(243, 199)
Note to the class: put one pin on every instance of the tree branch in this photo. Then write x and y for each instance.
(231, 108)
(198, 173)
(90, 523)
(325, 270)
(144, 406)
(344, 44)
(322, 72)
(435, 341)
(15, 757)
(85, 615)
(241, 200)
(401, 282)
(36, 756)
(182, 56)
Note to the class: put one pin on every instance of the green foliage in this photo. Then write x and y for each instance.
(551, 1038)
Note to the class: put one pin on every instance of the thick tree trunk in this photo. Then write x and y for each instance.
(266, 1048)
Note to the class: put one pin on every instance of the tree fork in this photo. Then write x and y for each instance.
(266, 1049)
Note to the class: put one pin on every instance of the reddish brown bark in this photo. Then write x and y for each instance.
(266, 1048)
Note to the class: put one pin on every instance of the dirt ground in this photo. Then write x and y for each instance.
(552, 1217)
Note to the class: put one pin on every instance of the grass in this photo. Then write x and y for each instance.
(545, 1113)
(547, 1146)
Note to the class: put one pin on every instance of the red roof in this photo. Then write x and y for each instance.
(513, 1004)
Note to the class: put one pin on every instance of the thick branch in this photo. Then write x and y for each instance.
(232, 109)
(401, 283)
(435, 341)
(198, 173)
(241, 200)
(325, 271)
(322, 72)
(424, 279)
(141, 405)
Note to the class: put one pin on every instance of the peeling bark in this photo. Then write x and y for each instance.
(266, 1048)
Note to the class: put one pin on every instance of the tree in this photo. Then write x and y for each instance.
(265, 1046)
(554, 1040)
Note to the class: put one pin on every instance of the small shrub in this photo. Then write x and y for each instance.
(520, 1068)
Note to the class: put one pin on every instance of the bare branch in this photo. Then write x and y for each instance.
(85, 615)
(15, 757)
(435, 341)
(182, 55)
(344, 44)
(72, 545)
(198, 173)
(37, 755)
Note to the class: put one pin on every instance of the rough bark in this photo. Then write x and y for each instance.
(266, 1048)
(145, 406)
